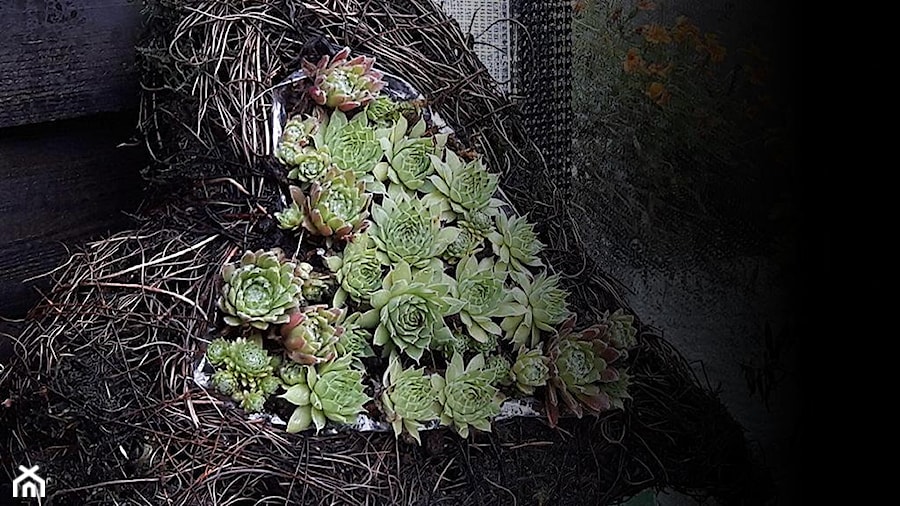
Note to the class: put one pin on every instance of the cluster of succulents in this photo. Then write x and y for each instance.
(423, 297)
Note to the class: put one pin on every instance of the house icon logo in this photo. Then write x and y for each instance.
(28, 484)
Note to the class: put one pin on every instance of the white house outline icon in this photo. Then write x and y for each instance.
(33, 486)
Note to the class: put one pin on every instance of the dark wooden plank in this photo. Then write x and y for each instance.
(66, 181)
(66, 58)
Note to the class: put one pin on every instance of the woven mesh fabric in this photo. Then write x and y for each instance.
(542, 77)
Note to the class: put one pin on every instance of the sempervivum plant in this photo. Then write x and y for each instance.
(245, 371)
(358, 270)
(407, 229)
(467, 396)
(410, 398)
(473, 226)
(545, 307)
(408, 312)
(481, 288)
(334, 206)
(331, 391)
(408, 155)
(530, 370)
(620, 329)
(342, 83)
(580, 363)
(384, 112)
(315, 283)
(467, 186)
(497, 367)
(354, 340)
(353, 144)
(515, 242)
(295, 149)
(310, 335)
(260, 289)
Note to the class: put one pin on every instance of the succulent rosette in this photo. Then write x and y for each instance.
(310, 335)
(295, 143)
(467, 396)
(408, 312)
(259, 290)
(384, 112)
(580, 363)
(335, 206)
(480, 285)
(408, 155)
(308, 164)
(353, 145)
(358, 270)
(473, 226)
(342, 83)
(468, 186)
(330, 391)
(245, 371)
(530, 370)
(545, 306)
(315, 284)
(620, 328)
(406, 229)
(354, 340)
(497, 367)
(516, 243)
(410, 398)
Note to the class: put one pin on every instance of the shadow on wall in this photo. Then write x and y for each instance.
(683, 118)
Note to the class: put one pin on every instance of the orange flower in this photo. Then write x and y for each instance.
(715, 50)
(658, 69)
(646, 5)
(633, 61)
(658, 93)
(685, 31)
(656, 34)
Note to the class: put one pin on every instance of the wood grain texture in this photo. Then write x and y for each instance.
(66, 58)
(66, 181)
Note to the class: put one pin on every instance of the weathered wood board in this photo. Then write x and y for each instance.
(61, 182)
(66, 58)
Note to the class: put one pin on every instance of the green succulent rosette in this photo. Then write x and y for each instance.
(308, 164)
(480, 285)
(245, 371)
(408, 153)
(545, 306)
(259, 290)
(310, 335)
(408, 312)
(407, 229)
(296, 150)
(384, 112)
(335, 206)
(621, 332)
(617, 390)
(467, 396)
(358, 270)
(354, 145)
(530, 370)
(516, 243)
(354, 340)
(330, 391)
(467, 186)
(497, 367)
(315, 284)
(342, 83)
(581, 363)
(410, 398)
